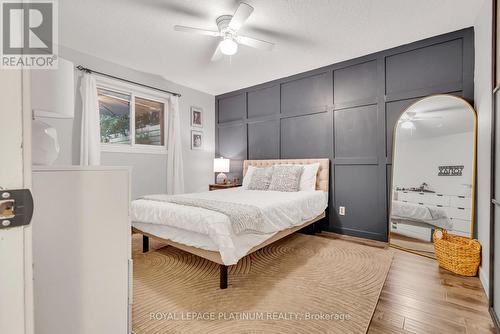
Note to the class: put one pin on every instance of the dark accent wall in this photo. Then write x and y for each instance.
(345, 112)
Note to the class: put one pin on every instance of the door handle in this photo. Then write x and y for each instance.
(16, 207)
(496, 202)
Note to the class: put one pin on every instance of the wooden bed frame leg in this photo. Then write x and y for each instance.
(223, 276)
(145, 244)
(310, 230)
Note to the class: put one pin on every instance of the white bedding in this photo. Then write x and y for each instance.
(420, 215)
(211, 230)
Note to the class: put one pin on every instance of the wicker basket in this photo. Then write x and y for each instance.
(457, 254)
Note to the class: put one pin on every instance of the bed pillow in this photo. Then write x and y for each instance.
(261, 178)
(308, 177)
(286, 178)
(248, 177)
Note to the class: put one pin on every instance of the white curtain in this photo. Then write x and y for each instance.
(90, 140)
(175, 167)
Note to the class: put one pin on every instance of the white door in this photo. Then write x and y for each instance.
(16, 265)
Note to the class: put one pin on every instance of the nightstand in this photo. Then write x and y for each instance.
(222, 186)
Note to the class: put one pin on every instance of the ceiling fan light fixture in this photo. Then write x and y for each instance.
(408, 125)
(227, 33)
(228, 47)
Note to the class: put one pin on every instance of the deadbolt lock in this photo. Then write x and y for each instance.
(16, 207)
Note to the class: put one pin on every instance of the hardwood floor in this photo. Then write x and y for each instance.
(417, 246)
(420, 297)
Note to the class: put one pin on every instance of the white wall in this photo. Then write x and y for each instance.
(149, 170)
(483, 105)
(417, 161)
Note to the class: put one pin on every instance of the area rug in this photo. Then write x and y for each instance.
(300, 284)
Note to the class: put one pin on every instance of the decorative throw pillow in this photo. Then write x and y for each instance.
(248, 177)
(308, 177)
(261, 178)
(286, 178)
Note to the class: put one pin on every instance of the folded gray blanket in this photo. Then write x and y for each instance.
(244, 218)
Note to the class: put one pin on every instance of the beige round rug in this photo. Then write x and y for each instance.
(301, 284)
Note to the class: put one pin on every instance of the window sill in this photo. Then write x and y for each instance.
(138, 149)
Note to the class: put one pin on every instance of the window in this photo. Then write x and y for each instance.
(149, 121)
(114, 115)
(132, 119)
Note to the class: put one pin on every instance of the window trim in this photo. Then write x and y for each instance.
(145, 93)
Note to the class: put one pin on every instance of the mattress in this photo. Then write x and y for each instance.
(212, 230)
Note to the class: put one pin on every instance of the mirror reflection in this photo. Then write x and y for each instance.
(433, 172)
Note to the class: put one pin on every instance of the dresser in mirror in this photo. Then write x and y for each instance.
(433, 173)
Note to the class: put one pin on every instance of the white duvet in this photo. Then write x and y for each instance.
(211, 230)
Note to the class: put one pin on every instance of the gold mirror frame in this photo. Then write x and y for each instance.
(474, 171)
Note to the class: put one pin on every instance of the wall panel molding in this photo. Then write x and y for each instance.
(307, 95)
(346, 112)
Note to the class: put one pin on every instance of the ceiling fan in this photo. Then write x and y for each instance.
(408, 119)
(412, 116)
(228, 27)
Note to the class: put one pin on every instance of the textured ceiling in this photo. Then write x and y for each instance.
(308, 34)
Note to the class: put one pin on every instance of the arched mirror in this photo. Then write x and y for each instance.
(433, 172)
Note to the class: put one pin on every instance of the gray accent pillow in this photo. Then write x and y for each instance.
(261, 178)
(286, 178)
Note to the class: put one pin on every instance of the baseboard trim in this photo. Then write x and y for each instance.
(359, 240)
(483, 278)
(494, 317)
(358, 233)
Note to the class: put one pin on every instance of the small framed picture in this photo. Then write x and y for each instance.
(196, 117)
(196, 140)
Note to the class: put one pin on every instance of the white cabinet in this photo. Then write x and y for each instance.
(417, 232)
(82, 251)
(424, 198)
(461, 225)
(438, 200)
(459, 213)
(457, 207)
(461, 202)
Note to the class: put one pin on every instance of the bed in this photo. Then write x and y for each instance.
(420, 215)
(418, 220)
(210, 235)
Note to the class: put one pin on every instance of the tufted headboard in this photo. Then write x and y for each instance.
(323, 171)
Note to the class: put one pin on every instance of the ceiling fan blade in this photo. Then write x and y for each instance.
(240, 16)
(179, 8)
(255, 43)
(197, 31)
(217, 54)
(426, 119)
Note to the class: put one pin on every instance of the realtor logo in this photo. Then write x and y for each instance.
(29, 34)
